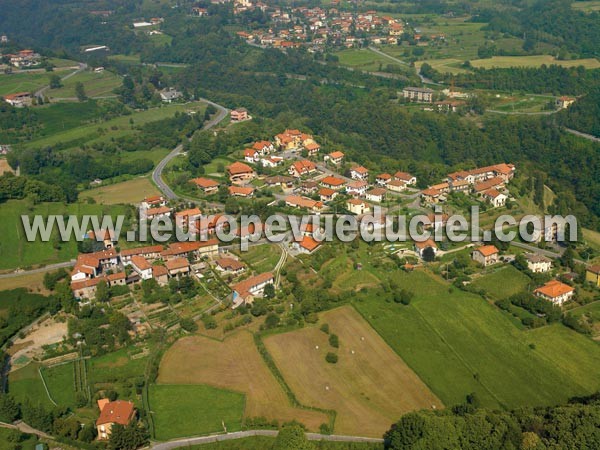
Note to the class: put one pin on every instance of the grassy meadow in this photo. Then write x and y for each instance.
(502, 281)
(95, 85)
(131, 191)
(533, 61)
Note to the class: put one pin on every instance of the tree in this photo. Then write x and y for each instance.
(188, 325)
(127, 437)
(292, 437)
(334, 341)
(9, 408)
(55, 82)
(272, 320)
(102, 292)
(331, 358)
(269, 291)
(428, 254)
(80, 92)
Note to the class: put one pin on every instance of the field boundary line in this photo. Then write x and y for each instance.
(46, 387)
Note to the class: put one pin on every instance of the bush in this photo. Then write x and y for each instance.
(325, 328)
(189, 325)
(331, 358)
(334, 341)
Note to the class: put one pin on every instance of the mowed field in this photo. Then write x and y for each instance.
(94, 84)
(188, 410)
(370, 387)
(503, 282)
(532, 61)
(131, 191)
(234, 364)
(458, 343)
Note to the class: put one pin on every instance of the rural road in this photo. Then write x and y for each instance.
(82, 67)
(157, 173)
(583, 135)
(62, 265)
(244, 434)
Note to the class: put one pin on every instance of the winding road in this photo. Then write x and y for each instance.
(157, 173)
(250, 433)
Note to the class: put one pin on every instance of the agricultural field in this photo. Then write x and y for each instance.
(23, 82)
(26, 383)
(95, 85)
(16, 251)
(234, 364)
(262, 258)
(521, 103)
(369, 387)
(28, 443)
(364, 59)
(591, 313)
(586, 6)
(128, 192)
(61, 383)
(502, 282)
(33, 282)
(532, 61)
(188, 410)
(457, 344)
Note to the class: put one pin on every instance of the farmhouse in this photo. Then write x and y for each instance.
(555, 291)
(486, 255)
(358, 207)
(142, 267)
(359, 173)
(239, 172)
(251, 155)
(538, 263)
(431, 195)
(170, 95)
(335, 157)
(245, 291)
(154, 201)
(564, 102)
(332, 182)
(118, 412)
(19, 99)
(592, 275)
(307, 244)
(177, 267)
(162, 211)
(495, 197)
(418, 94)
(206, 185)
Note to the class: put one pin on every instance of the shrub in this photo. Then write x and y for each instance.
(334, 341)
(331, 358)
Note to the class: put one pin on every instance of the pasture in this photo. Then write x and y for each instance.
(502, 62)
(23, 82)
(61, 383)
(16, 251)
(33, 282)
(95, 85)
(26, 383)
(364, 59)
(234, 364)
(458, 343)
(131, 191)
(369, 387)
(188, 410)
(502, 282)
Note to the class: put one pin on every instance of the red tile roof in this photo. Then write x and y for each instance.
(238, 168)
(119, 411)
(487, 250)
(553, 289)
(204, 182)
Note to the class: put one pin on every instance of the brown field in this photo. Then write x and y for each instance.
(132, 191)
(532, 61)
(234, 364)
(370, 388)
(4, 167)
(33, 282)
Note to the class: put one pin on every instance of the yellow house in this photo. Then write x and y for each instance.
(592, 275)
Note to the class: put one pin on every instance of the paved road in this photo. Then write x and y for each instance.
(82, 67)
(157, 173)
(522, 113)
(62, 265)
(583, 135)
(244, 434)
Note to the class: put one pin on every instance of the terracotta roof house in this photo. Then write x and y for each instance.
(326, 194)
(245, 291)
(307, 244)
(486, 255)
(383, 179)
(120, 412)
(332, 182)
(406, 177)
(206, 184)
(555, 291)
(239, 191)
(177, 266)
(359, 173)
(376, 195)
(303, 167)
(335, 157)
(431, 195)
(358, 207)
(230, 265)
(296, 201)
(420, 246)
(239, 172)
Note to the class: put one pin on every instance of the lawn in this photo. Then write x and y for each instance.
(95, 85)
(61, 384)
(458, 343)
(234, 364)
(132, 191)
(369, 387)
(16, 251)
(262, 258)
(502, 282)
(189, 410)
(26, 384)
(532, 61)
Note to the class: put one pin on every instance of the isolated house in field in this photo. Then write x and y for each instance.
(170, 95)
(537, 263)
(18, 100)
(239, 172)
(118, 412)
(564, 102)
(239, 115)
(555, 291)
(307, 244)
(486, 255)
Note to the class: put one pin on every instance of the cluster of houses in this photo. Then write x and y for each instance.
(487, 183)
(315, 27)
(23, 59)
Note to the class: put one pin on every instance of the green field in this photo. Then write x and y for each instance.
(95, 85)
(26, 384)
(532, 61)
(267, 443)
(587, 6)
(262, 258)
(23, 82)
(28, 443)
(502, 282)
(61, 384)
(189, 410)
(16, 251)
(364, 59)
(458, 343)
